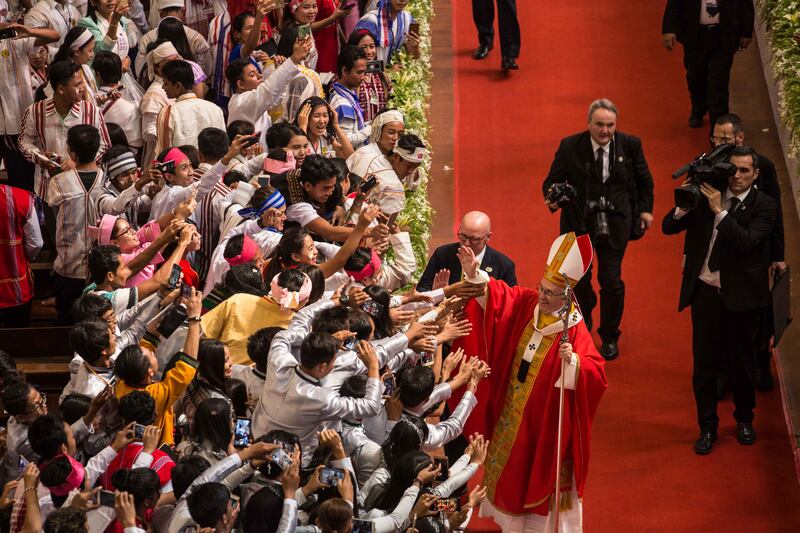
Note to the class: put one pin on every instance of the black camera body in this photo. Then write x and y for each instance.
(713, 168)
(561, 194)
(600, 209)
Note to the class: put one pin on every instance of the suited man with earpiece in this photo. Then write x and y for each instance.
(726, 284)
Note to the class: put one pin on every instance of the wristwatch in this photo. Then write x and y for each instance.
(344, 299)
(197, 318)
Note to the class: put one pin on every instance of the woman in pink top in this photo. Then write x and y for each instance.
(140, 249)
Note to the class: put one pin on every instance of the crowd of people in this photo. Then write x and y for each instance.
(219, 184)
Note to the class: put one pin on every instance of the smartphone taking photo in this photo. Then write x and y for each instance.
(242, 435)
(331, 476)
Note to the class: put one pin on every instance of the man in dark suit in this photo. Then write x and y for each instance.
(726, 283)
(728, 129)
(483, 15)
(604, 167)
(710, 32)
(475, 231)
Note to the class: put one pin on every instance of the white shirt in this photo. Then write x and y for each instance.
(705, 18)
(187, 117)
(606, 154)
(126, 115)
(390, 193)
(53, 15)
(16, 90)
(712, 278)
(253, 106)
(172, 195)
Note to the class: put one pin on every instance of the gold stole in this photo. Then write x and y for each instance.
(505, 432)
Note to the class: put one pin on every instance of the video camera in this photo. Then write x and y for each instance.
(712, 168)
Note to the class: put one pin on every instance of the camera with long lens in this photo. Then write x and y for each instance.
(560, 194)
(712, 168)
(600, 209)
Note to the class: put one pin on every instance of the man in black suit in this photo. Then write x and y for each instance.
(475, 231)
(483, 15)
(728, 129)
(604, 167)
(726, 283)
(710, 31)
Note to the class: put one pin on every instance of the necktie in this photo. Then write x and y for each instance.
(712, 8)
(713, 258)
(598, 162)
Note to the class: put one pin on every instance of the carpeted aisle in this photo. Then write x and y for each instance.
(644, 475)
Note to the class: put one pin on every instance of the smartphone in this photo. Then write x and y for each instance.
(330, 476)
(371, 307)
(174, 277)
(23, 463)
(186, 290)
(389, 386)
(167, 449)
(167, 167)
(368, 184)
(303, 31)
(138, 431)
(375, 66)
(349, 343)
(8, 33)
(252, 140)
(413, 28)
(426, 358)
(242, 436)
(281, 458)
(362, 526)
(105, 498)
(263, 180)
(447, 505)
(444, 473)
(392, 222)
(288, 448)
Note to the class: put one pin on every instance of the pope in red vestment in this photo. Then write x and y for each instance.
(517, 331)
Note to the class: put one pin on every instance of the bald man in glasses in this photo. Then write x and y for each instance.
(474, 231)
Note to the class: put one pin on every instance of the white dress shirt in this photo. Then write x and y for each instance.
(712, 278)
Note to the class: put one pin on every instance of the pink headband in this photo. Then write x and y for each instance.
(295, 4)
(103, 231)
(275, 166)
(74, 479)
(288, 299)
(248, 253)
(369, 269)
(175, 155)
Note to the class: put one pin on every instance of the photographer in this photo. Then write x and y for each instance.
(728, 129)
(726, 282)
(600, 180)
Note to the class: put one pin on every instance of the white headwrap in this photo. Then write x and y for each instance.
(82, 39)
(415, 156)
(393, 115)
(157, 55)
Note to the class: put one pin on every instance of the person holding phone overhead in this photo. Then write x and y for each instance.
(326, 30)
(483, 15)
(375, 87)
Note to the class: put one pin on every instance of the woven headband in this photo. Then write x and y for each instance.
(121, 164)
(275, 200)
(82, 39)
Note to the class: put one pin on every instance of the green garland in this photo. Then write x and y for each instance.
(782, 22)
(411, 90)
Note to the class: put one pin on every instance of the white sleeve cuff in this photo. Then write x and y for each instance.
(570, 374)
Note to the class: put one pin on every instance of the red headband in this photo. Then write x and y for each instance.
(369, 269)
(248, 253)
(74, 479)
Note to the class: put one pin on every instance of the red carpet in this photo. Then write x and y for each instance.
(643, 475)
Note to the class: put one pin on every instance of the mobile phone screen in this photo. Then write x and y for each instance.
(242, 437)
(174, 277)
(105, 498)
(167, 449)
(138, 431)
(331, 476)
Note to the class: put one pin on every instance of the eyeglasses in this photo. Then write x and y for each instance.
(547, 293)
(722, 140)
(471, 240)
(126, 231)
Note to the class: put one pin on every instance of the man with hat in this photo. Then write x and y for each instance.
(518, 332)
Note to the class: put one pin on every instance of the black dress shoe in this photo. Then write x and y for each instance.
(481, 52)
(764, 380)
(609, 351)
(695, 121)
(509, 63)
(745, 433)
(702, 446)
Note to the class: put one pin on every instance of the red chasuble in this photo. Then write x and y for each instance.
(521, 419)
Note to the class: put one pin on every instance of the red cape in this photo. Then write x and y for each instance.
(526, 473)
